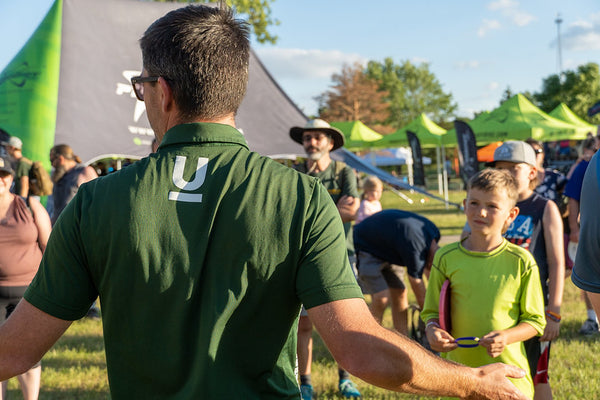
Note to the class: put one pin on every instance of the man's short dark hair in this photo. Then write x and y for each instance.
(202, 52)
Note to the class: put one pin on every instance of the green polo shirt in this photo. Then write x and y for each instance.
(201, 255)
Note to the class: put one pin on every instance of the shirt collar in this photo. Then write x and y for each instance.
(203, 133)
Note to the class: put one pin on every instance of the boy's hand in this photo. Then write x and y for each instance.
(439, 339)
(494, 342)
(551, 331)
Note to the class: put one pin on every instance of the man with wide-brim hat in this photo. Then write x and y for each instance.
(319, 139)
(318, 125)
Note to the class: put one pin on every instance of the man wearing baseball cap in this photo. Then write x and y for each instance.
(538, 228)
(319, 139)
(14, 147)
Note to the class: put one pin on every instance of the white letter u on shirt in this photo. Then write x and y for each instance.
(186, 186)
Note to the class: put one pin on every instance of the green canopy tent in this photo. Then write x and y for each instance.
(564, 113)
(518, 119)
(358, 136)
(430, 135)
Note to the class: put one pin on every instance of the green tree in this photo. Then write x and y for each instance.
(352, 97)
(258, 13)
(413, 89)
(508, 93)
(579, 89)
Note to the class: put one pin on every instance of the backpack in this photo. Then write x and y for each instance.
(40, 183)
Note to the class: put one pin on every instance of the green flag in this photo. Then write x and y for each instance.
(29, 89)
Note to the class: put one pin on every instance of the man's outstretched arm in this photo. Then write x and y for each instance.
(25, 337)
(391, 361)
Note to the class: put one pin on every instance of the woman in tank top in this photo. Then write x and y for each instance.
(24, 230)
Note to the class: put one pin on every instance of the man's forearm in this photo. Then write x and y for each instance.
(25, 337)
(418, 287)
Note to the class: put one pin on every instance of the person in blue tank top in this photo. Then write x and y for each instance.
(538, 228)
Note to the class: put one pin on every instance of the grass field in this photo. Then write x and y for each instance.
(75, 368)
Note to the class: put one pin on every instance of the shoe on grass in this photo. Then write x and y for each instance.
(306, 391)
(348, 390)
(589, 327)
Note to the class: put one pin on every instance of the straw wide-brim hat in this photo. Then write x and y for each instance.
(318, 125)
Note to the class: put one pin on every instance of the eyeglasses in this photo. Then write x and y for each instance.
(138, 85)
(539, 150)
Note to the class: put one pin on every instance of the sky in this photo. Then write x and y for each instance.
(475, 48)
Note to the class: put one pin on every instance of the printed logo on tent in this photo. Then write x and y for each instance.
(19, 75)
(139, 132)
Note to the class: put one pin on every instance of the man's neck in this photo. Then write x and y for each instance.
(319, 165)
(227, 120)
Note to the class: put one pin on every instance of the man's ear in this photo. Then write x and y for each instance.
(331, 143)
(166, 96)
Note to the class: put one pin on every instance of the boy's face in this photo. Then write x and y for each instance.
(523, 173)
(489, 213)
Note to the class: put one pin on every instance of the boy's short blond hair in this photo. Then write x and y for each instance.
(490, 179)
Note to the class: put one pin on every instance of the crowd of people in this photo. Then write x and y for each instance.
(221, 262)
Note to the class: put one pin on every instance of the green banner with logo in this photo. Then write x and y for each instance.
(29, 88)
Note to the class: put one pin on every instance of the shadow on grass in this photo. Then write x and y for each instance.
(569, 333)
(89, 343)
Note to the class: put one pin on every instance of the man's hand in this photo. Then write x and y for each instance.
(347, 207)
(495, 385)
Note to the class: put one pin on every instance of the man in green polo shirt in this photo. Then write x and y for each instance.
(202, 253)
(319, 139)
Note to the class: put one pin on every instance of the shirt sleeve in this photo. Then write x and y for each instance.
(532, 298)
(350, 186)
(63, 286)
(324, 274)
(434, 286)
(586, 273)
(23, 168)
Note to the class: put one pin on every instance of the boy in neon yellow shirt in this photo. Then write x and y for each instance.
(495, 286)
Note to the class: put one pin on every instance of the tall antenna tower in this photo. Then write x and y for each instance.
(558, 21)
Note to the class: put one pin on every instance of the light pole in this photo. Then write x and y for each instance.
(558, 21)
